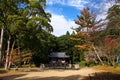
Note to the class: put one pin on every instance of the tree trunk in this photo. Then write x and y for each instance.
(98, 56)
(20, 57)
(108, 60)
(1, 42)
(87, 31)
(11, 52)
(8, 53)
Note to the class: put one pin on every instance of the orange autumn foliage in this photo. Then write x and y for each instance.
(80, 46)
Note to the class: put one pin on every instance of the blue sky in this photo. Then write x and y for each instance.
(64, 12)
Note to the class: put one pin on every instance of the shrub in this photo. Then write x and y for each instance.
(90, 63)
(82, 64)
(85, 63)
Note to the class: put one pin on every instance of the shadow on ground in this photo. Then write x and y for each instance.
(94, 76)
(103, 76)
(13, 77)
(3, 71)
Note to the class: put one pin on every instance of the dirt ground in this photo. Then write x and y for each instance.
(50, 74)
(58, 74)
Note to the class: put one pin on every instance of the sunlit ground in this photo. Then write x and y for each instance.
(62, 74)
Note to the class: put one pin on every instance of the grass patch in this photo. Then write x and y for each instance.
(108, 68)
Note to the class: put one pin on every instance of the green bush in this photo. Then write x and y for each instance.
(82, 64)
(85, 63)
(90, 63)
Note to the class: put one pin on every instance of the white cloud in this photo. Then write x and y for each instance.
(75, 3)
(103, 9)
(80, 4)
(101, 16)
(51, 2)
(61, 25)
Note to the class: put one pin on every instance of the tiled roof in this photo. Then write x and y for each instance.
(58, 55)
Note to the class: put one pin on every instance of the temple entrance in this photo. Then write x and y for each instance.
(58, 60)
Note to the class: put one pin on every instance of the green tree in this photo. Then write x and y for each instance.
(19, 21)
(66, 44)
(114, 17)
(37, 31)
(6, 12)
